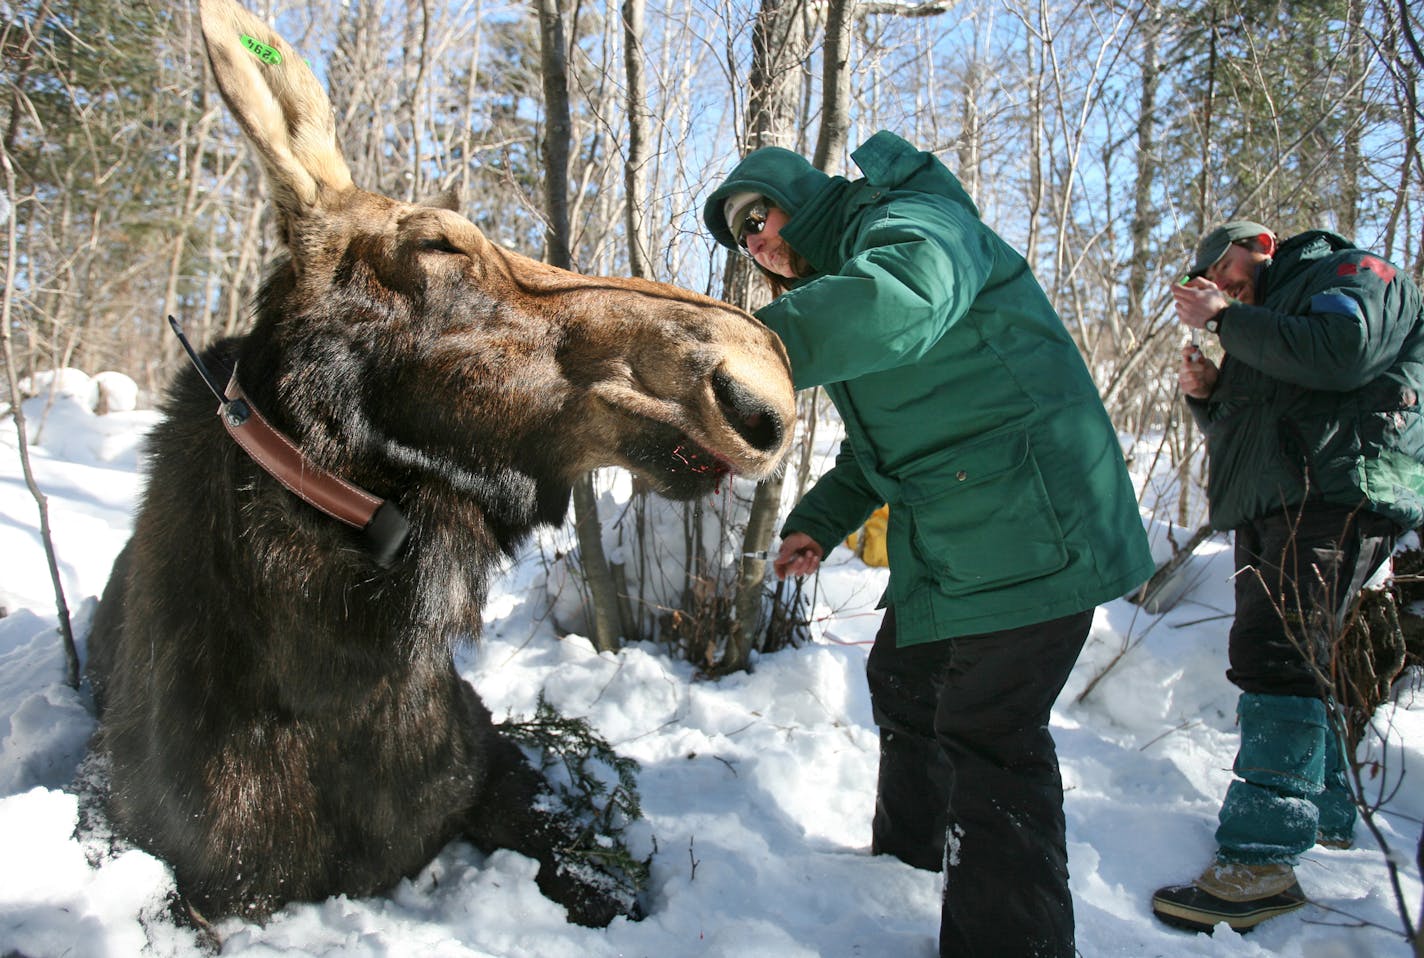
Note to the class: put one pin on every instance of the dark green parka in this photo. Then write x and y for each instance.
(1318, 396)
(966, 405)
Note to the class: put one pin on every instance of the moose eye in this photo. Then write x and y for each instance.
(440, 244)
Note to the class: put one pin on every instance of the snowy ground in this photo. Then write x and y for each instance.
(757, 788)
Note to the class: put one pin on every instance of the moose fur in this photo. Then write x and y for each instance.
(280, 712)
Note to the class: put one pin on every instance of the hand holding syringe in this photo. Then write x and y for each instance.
(1195, 354)
(798, 555)
(1197, 375)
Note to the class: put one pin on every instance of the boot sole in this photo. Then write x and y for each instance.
(1240, 916)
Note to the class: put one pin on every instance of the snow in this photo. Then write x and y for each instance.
(757, 788)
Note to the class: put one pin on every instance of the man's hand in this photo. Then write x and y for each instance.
(799, 555)
(1197, 375)
(1198, 300)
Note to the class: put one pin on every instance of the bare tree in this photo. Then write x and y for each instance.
(778, 48)
(557, 134)
(17, 413)
(639, 115)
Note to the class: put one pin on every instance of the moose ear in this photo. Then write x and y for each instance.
(446, 199)
(279, 104)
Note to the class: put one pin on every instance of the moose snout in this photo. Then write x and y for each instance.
(760, 424)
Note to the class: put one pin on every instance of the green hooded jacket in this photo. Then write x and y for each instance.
(1318, 396)
(966, 405)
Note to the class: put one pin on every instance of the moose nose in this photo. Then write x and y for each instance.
(753, 418)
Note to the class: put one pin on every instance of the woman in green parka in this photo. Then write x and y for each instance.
(968, 409)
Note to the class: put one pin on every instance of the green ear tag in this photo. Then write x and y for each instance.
(262, 51)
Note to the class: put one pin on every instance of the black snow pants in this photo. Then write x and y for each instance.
(969, 780)
(1297, 573)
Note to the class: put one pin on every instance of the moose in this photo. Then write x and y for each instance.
(272, 657)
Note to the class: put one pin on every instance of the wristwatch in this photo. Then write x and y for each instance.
(1213, 325)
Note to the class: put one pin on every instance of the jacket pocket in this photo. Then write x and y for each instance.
(982, 516)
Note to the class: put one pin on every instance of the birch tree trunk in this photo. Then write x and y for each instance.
(17, 414)
(635, 184)
(1145, 216)
(1184, 463)
(772, 105)
(603, 595)
(1356, 58)
(635, 177)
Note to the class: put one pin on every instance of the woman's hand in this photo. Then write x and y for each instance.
(799, 555)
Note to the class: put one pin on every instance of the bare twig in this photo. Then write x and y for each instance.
(17, 411)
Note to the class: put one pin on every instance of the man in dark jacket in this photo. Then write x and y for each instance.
(968, 408)
(1316, 450)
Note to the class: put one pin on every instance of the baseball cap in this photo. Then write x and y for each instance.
(1215, 244)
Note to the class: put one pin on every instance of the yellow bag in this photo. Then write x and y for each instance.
(869, 542)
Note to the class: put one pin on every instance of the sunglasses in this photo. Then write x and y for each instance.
(750, 220)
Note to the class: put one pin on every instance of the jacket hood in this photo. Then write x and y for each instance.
(1312, 244)
(786, 178)
(1300, 249)
(890, 162)
(792, 183)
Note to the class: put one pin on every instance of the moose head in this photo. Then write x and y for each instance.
(461, 357)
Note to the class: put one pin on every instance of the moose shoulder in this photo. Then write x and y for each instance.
(280, 710)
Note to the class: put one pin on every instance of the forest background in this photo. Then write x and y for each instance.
(1101, 139)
